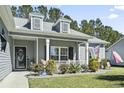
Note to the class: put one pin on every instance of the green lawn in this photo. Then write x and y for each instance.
(112, 79)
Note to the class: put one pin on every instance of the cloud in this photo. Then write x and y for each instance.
(112, 10)
(113, 16)
(121, 7)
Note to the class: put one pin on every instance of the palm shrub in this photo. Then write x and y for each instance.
(63, 68)
(85, 68)
(94, 65)
(73, 68)
(51, 67)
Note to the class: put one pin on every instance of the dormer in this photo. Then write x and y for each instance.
(36, 21)
(62, 25)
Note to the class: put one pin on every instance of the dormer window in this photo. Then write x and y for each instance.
(62, 25)
(65, 27)
(36, 23)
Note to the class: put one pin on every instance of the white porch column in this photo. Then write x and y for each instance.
(36, 50)
(79, 52)
(47, 49)
(87, 53)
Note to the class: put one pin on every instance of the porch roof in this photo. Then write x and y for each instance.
(47, 34)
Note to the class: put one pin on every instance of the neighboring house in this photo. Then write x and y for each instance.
(118, 47)
(32, 39)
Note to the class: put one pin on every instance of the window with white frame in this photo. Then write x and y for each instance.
(64, 53)
(64, 27)
(54, 53)
(36, 23)
(59, 53)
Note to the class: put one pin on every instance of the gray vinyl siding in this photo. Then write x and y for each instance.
(57, 27)
(119, 47)
(41, 48)
(5, 57)
(82, 54)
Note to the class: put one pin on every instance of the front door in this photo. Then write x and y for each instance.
(20, 58)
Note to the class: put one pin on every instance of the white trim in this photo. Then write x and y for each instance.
(37, 48)
(33, 38)
(78, 51)
(13, 68)
(74, 53)
(87, 53)
(47, 48)
(14, 56)
(62, 20)
(62, 26)
(59, 47)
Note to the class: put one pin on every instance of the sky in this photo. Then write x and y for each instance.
(110, 15)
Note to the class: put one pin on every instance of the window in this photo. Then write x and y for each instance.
(64, 27)
(36, 24)
(54, 53)
(59, 53)
(64, 53)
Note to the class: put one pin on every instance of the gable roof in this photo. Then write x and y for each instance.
(47, 27)
(7, 18)
(115, 43)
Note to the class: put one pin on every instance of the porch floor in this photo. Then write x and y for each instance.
(15, 80)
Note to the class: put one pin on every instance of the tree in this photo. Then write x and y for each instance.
(86, 27)
(24, 10)
(44, 11)
(73, 24)
(92, 26)
(55, 14)
(67, 17)
(14, 9)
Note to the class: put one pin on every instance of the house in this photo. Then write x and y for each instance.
(118, 47)
(25, 40)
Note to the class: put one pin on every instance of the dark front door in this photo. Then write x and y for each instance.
(20, 57)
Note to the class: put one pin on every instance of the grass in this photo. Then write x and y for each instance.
(112, 79)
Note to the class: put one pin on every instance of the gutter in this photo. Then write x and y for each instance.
(46, 34)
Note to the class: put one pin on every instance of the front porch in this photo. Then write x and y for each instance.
(60, 50)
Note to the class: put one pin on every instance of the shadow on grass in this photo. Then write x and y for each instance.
(112, 77)
(117, 78)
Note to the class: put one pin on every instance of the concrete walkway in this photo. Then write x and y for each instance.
(15, 80)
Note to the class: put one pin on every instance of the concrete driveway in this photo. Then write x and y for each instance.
(15, 80)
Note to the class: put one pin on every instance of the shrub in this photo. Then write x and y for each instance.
(104, 63)
(94, 65)
(85, 67)
(37, 68)
(63, 68)
(73, 68)
(51, 67)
